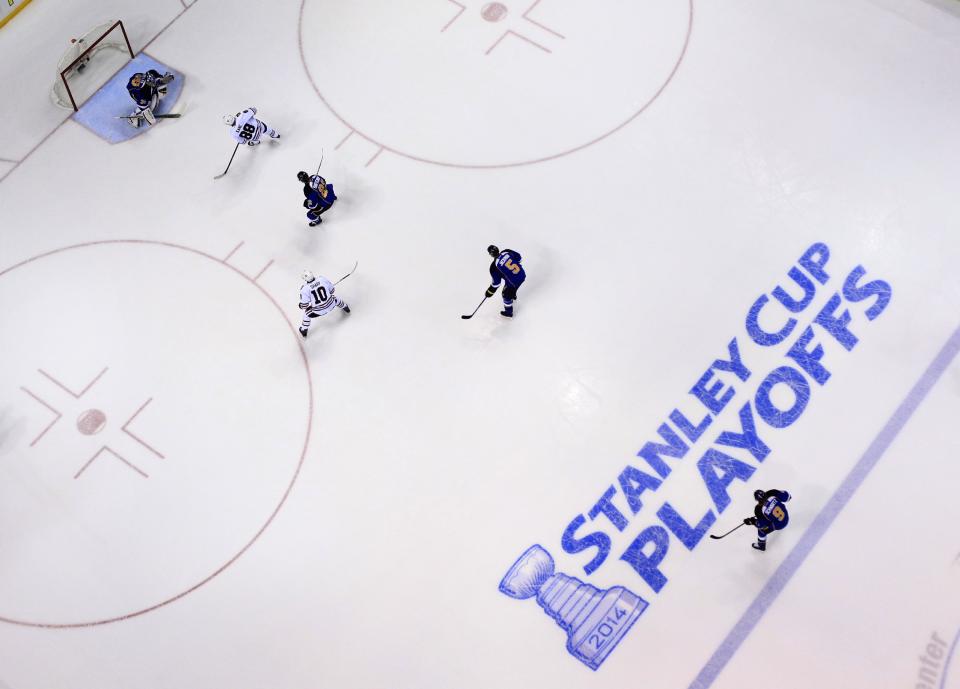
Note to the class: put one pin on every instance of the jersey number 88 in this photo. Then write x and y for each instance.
(248, 131)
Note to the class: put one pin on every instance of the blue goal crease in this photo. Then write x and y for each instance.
(99, 113)
(841, 496)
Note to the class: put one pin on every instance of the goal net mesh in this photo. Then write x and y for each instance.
(89, 62)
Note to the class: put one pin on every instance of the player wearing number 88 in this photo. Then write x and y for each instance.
(317, 299)
(769, 515)
(246, 128)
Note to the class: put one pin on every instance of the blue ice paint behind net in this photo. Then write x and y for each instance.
(99, 113)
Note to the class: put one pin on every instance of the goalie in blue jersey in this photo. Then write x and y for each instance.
(146, 90)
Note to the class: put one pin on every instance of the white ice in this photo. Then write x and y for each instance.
(659, 165)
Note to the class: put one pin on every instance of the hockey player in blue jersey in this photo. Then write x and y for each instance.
(769, 515)
(505, 266)
(319, 196)
(147, 89)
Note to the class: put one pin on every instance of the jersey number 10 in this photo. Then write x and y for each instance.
(320, 294)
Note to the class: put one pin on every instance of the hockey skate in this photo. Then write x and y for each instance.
(507, 312)
(760, 545)
(314, 223)
(346, 309)
(303, 333)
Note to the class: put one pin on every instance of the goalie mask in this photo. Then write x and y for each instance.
(137, 79)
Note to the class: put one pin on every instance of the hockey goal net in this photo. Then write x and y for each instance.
(87, 64)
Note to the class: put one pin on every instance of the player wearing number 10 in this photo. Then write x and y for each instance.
(769, 515)
(317, 299)
(246, 128)
(505, 266)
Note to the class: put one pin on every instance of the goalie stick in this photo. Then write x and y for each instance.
(167, 116)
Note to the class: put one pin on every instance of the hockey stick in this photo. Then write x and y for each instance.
(230, 163)
(321, 163)
(168, 116)
(729, 532)
(474, 311)
(348, 274)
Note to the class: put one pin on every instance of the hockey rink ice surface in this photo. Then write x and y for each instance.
(192, 497)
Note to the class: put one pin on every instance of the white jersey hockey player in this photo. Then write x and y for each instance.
(246, 128)
(317, 299)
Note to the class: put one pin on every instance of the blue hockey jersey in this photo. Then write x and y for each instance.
(143, 94)
(771, 514)
(507, 266)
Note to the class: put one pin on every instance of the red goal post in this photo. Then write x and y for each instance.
(81, 52)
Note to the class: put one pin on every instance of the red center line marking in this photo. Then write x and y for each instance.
(536, 23)
(50, 425)
(75, 395)
(375, 156)
(228, 256)
(140, 440)
(511, 32)
(344, 139)
(463, 8)
(98, 453)
(263, 270)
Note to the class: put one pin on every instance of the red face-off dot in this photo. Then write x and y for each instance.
(494, 11)
(91, 422)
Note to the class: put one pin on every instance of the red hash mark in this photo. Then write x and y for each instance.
(75, 395)
(103, 449)
(50, 425)
(139, 440)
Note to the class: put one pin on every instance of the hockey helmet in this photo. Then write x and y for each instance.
(229, 120)
(493, 251)
(758, 495)
(303, 177)
(308, 276)
(137, 79)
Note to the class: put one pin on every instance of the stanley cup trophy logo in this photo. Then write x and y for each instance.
(595, 620)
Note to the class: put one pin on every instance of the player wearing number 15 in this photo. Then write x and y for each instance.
(246, 128)
(769, 515)
(317, 299)
(505, 266)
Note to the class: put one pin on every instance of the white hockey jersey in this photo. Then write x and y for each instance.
(248, 128)
(317, 296)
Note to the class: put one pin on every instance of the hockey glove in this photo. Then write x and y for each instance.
(306, 203)
(750, 520)
(491, 290)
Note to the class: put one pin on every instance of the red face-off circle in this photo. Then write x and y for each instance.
(478, 85)
(203, 444)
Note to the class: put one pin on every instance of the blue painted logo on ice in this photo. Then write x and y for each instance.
(735, 452)
(594, 620)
